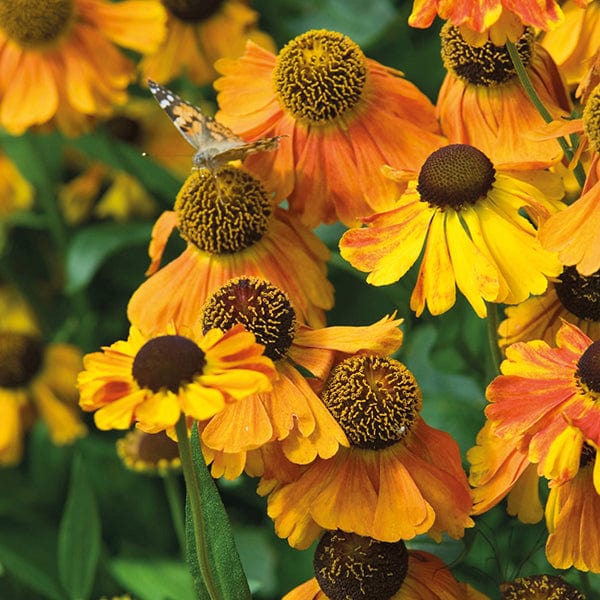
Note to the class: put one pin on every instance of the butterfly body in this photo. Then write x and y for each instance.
(215, 143)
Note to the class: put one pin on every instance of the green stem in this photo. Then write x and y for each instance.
(492, 329)
(195, 500)
(173, 493)
(533, 96)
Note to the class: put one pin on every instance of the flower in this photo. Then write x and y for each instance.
(59, 61)
(291, 415)
(199, 33)
(497, 20)
(572, 507)
(482, 102)
(351, 566)
(501, 467)
(573, 297)
(468, 216)
(343, 116)
(104, 193)
(543, 394)
(150, 453)
(230, 230)
(16, 193)
(152, 380)
(37, 380)
(539, 586)
(574, 233)
(390, 484)
(575, 41)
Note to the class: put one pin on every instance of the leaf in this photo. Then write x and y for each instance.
(79, 535)
(223, 557)
(90, 247)
(27, 553)
(149, 579)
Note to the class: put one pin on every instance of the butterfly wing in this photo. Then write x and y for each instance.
(215, 143)
(200, 130)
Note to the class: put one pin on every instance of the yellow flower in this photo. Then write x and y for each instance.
(231, 229)
(199, 33)
(343, 116)
(539, 587)
(351, 566)
(467, 216)
(59, 61)
(16, 193)
(390, 484)
(291, 415)
(153, 380)
(149, 453)
(37, 380)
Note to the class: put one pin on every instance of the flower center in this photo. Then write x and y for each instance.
(455, 176)
(591, 119)
(36, 25)
(488, 65)
(319, 76)
(192, 10)
(149, 452)
(167, 362)
(21, 357)
(264, 310)
(348, 565)
(579, 294)
(376, 400)
(224, 220)
(539, 587)
(588, 369)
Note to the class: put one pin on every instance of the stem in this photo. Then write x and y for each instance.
(492, 329)
(193, 492)
(533, 96)
(173, 493)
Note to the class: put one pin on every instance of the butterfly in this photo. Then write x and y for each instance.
(215, 143)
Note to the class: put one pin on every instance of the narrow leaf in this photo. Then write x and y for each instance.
(223, 555)
(79, 536)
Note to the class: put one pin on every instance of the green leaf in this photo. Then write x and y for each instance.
(149, 579)
(27, 552)
(79, 536)
(90, 247)
(223, 557)
(121, 156)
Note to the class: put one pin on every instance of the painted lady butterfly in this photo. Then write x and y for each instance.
(215, 144)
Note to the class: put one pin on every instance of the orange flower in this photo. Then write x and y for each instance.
(574, 233)
(482, 102)
(576, 40)
(390, 484)
(230, 231)
(573, 297)
(59, 62)
(500, 467)
(544, 393)
(498, 19)
(573, 515)
(347, 562)
(290, 415)
(199, 33)
(343, 116)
